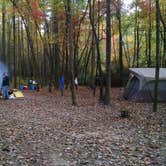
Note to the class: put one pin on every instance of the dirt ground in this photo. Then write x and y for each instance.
(44, 129)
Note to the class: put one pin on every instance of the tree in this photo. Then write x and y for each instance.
(14, 43)
(71, 52)
(149, 33)
(108, 53)
(136, 36)
(155, 103)
(164, 37)
(3, 32)
(120, 41)
(96, 38)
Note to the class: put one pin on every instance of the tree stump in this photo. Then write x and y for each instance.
(124, 114)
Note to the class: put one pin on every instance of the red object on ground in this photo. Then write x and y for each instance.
(26, 88)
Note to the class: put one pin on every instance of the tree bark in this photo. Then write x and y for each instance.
(120, 42)
(149, 34)
(155, 103)
(164, 39)
(14, 45)
(108, 53)
(3, 57)
(71, 51)
(99, 69)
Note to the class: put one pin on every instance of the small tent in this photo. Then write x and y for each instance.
(3, 69)
(140, 86)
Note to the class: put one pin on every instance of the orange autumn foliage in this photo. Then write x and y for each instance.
(36, 12)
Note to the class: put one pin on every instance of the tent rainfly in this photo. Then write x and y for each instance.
(140, 86)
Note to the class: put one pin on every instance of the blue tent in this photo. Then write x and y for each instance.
(3, 69)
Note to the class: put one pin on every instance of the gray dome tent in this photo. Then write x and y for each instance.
(140, 86)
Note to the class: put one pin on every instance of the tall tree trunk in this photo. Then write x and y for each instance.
(87, 59)
(33, 62)
(164, 49)
(120, 42)
(146, 49)
(114, 44)
(97, 49)
(149, 33)
(55, 57)
(108, 53)
(76, 41)
(164, 39)
(19, 52)
(66, 63)
(155, 103)
(126, 53)
(14, 45)
(71, 51)
(93, 59)
(3, 58)
(92, 15)
(136, 38)
(138, 45)
(8, 50)
(23, 60)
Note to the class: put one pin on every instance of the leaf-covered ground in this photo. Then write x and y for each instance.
(44, 129)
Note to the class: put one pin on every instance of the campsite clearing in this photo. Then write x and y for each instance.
(44, 129)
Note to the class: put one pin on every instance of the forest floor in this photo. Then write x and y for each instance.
(44, 129)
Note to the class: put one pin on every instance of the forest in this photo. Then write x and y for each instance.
(95, 42)
(43, 39)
